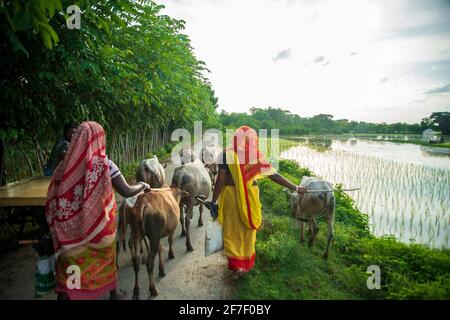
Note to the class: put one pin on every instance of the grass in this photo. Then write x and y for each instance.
(420, 142)
(286, 269)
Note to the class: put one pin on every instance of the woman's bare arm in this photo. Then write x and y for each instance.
(220, 182)
(124, 189)
(282, 181)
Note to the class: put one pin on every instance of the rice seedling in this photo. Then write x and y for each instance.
(405, 193)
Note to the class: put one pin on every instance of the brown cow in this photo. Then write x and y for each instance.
(149, 171)
(154, 216)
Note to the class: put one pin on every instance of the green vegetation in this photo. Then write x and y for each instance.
(291, 124)
(421, 143)
(129, 67)
(438, 120)
(128, 170)
(286, 269)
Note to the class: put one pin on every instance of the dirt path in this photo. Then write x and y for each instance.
(189, 276)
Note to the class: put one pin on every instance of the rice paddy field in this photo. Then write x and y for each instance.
(405, 188)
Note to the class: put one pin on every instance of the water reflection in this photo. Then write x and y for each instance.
(401, 152)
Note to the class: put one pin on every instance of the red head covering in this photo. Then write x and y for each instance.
(251, 160)
(80, 200)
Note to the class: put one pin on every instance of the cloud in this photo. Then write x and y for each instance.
(304, 2)
(443, 89)
(417, 101)
(284, 54)
(327, 63)
(353, 53)
(383, 80)
(319, 59)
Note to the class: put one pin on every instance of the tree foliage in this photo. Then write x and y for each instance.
(440, 120)
(289, 123)
(128, 67)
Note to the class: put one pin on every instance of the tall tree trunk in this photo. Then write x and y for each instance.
(122, 150)
(13, 164)
(30, 165)
(39, 157)
(144, 144)
(2, 163)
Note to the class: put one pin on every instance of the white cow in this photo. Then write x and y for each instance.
(194, 179)
(209, 159)
(309, 206)
(152, 172)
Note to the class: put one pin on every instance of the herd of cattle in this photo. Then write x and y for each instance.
(154, 215)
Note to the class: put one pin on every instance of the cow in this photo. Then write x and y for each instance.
(149, 171)
(187, 156)
(154, 216)
(307, 207)
(209, 159)
(194, 179)
(152, 172)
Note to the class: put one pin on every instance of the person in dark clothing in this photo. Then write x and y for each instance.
(60, 149)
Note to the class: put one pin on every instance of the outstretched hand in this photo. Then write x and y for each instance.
(213, 208)
(146, 186)
(301, 190)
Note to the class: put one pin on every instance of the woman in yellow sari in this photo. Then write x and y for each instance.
(238, 195)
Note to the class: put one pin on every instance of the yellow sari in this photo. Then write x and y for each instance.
(239, 205)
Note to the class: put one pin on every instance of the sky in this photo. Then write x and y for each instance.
(364, 60)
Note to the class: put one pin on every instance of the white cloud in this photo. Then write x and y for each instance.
(360, 41)
(283, 54)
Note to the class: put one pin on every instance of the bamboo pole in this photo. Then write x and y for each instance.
(30, 166)
(13, 163)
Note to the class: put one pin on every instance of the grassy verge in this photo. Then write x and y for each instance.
(422, 143)
(286, 269)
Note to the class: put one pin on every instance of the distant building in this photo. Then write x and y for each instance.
(431, 136)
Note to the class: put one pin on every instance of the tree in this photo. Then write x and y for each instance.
(136, 71)
(289, 123)
(442, 121)
(2, 163)
(129, 68)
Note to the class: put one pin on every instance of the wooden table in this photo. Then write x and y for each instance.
(21, 202)
(25, 193)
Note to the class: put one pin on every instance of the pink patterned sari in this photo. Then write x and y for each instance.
(80, 212)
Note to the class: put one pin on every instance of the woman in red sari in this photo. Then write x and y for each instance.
(81, 214)
(238, 195)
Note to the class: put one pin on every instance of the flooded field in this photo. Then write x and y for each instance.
(405, 188)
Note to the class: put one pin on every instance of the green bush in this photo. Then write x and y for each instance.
(129, 171)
